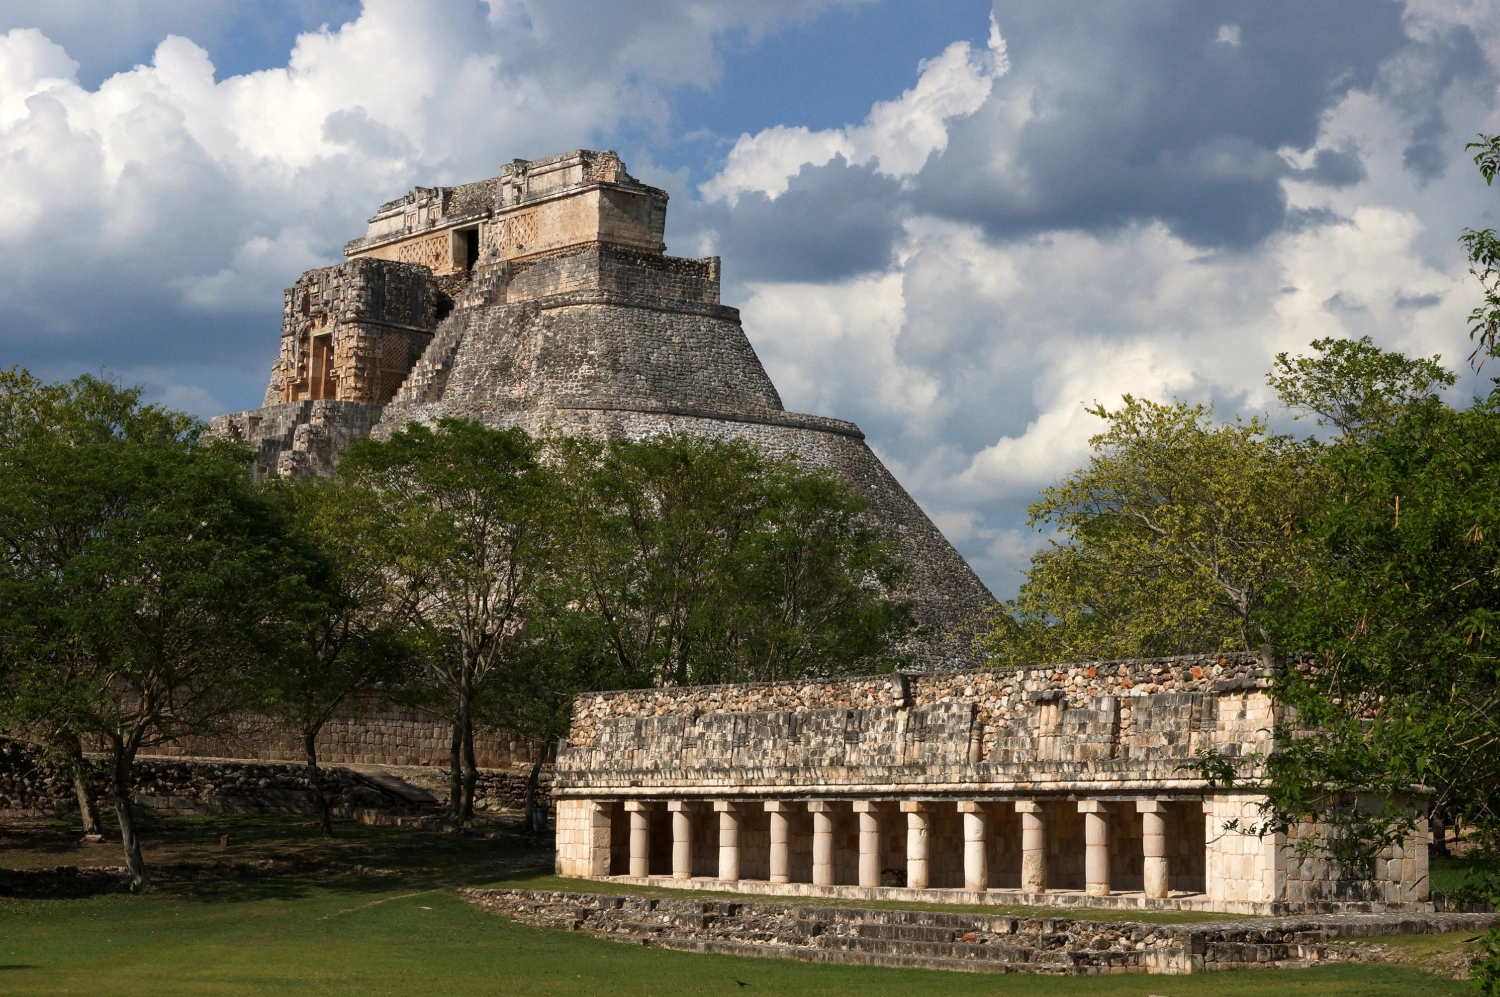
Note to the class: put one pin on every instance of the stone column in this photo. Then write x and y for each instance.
(822, 815)
(682, 839)
(1033, 846)
(600, 836)
(1154, 847)
(1096, 847)
(781, 846)
(916, 842)
(976, 846)
(869, 842)
(640, 838)
(729, 840)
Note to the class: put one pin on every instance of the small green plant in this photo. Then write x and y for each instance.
(1482, 885)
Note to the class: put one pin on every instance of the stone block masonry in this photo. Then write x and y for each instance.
(1070, 784)
(974, 943)
(30, 785)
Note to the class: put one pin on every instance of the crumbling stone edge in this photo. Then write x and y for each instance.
(984, 943)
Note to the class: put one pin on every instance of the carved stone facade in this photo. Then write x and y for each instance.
(1066, 785)
(352, 332)
(543, 298)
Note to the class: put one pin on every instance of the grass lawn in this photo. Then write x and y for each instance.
(393, 925)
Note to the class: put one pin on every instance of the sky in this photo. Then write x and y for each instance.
(960, 225)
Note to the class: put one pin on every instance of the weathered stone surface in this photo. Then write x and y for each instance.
(1052, 741)
(993, 943)
(29, 784)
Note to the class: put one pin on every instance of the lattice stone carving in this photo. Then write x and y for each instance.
(432, 252)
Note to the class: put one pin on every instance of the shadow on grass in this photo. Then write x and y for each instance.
(285, 856)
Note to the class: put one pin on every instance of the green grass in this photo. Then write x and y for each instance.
(1448, 874)
(407, 932)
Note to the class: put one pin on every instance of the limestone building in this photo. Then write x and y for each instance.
(1067, 785)
(543, 298)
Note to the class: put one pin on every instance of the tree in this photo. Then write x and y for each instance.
(1400, 614)
(1172, 536)
(341, 635)
(702, 560)
(1354, 385)
(142, 572)
(1483, 247)
(465, 513)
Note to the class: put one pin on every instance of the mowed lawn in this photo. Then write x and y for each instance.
(395, 925)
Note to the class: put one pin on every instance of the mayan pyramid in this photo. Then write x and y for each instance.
(543, 298)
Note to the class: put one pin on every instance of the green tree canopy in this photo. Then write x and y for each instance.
(342, 635)
(703, 560)
(1169, 539)
(1399, 613)
(1354, 385)
(464, 512)
(142, 574)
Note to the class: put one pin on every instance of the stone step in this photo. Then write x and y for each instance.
(992, 923)
(966, 951)
(905, 932)
(862, 958)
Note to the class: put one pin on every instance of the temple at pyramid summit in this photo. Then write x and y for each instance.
(543, 298)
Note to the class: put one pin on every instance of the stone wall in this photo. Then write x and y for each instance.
(299, 438)
(352, 332)
(1124, 720)
(369, 732)
(612, 268)
(600, 348)
(32, 785)
(969, 942)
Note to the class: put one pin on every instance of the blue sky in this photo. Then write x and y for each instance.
(957, 224)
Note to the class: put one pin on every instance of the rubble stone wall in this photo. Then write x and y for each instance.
(1116, 719)
(32, 785)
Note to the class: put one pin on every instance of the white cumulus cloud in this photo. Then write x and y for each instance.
(898, 136)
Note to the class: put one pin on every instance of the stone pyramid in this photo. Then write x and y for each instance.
(543, 298)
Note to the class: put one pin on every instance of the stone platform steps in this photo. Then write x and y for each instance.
(986, 943)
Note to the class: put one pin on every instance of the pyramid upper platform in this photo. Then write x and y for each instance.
(534, 207)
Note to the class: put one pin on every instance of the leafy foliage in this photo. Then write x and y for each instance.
(1483, 247)
(341, 634)
(699, 560)
(464, 513)
(1172, 536)
(141, 576)
(1354, 385)
(1399, 610)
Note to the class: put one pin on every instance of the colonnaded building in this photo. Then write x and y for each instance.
(543, 298)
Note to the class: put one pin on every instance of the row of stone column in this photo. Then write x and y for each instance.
(976, 843)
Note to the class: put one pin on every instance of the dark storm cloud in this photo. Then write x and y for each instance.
(1167, 111)
(1428, 67)
(834, 221)
(1334, 168)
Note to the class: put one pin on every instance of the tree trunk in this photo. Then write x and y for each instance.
(470, 774)
(455, 770)
(88, 808)
(315, 783)
(136, 876)
(471, 771)
(536, 814)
